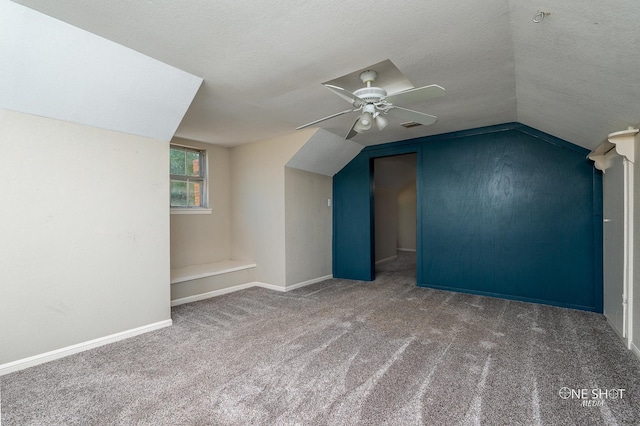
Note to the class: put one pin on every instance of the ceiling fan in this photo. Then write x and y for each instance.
(375, 104)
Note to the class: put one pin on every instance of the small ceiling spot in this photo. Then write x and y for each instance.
(410, 124)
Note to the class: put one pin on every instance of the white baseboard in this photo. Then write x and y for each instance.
(70, 350)
(214, 293)
(308, 282)
(269, 286)
(21, 364)
(292, 286)
(406, 249)
(209, 294)
(387, 260)
(635, 350)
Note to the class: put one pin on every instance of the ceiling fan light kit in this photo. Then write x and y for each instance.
(381, 122)
(363, 123)
(375, 104)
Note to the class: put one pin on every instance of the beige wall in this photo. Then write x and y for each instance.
(308, 230)
(263, 212)
(205, 238)
(258, 203)
(395, 220)
(407, 217)
(84, 227)
(386, 223)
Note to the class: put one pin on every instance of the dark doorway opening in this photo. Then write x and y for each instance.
(395, 211)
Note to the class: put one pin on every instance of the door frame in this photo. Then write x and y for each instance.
(393, 152)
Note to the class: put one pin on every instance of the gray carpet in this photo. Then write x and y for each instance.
(342, 352)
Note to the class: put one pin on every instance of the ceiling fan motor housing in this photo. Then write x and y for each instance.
(371, 94)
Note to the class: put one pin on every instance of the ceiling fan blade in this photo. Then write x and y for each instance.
(326, 118)
(416, 95)
(409, 115)
(352, 131)
(346, 95)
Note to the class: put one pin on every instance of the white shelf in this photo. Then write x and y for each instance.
(208, 270)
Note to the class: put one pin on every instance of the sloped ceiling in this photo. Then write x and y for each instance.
(574, 75)
(53, 69)
(324, 153)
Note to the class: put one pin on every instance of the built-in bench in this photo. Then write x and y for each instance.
(198, 282)
(189, 273)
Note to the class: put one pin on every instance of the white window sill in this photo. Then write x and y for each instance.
(190, 211)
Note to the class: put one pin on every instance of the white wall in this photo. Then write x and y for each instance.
(205, 238)
(407, 217)
(308, 226)
(258, 203)
(84, 227)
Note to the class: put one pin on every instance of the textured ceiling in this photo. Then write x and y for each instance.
(575, 75)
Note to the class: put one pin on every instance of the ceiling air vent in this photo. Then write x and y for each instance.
(410, 124)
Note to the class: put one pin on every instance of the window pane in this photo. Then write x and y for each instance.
(178, 193)
(193, 163)
(187, 169)
(194, 194)
(177, 158)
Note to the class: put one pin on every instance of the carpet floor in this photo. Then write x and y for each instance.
(344, 353)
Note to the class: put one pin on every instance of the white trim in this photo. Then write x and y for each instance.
(215, 293)
(175, 210)
(195, 272)
(625, 142)
(635, 350)
(308, 282)
(270, 286)
(628, 255)
(209, 294)
(631, 252)
(387, 260)
(603, 155)
(21, 364)
(406, 249)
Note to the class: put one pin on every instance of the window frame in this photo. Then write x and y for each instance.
(203, 179)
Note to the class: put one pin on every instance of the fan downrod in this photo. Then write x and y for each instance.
(370, 94)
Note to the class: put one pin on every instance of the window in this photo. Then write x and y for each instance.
(188, 177)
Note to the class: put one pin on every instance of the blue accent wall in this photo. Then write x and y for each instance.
(505, 211)
(353, 226)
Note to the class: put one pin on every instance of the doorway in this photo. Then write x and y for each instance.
(395, 207)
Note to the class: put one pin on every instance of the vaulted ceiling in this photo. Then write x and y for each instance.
(575, 75)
